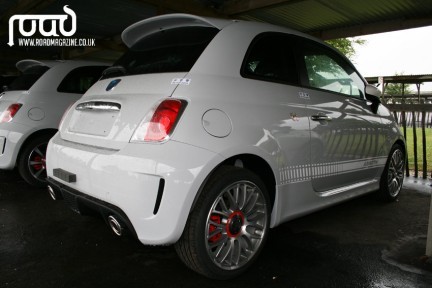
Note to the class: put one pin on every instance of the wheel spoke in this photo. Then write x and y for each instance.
(223, 205)
(242, 200)
(224, 214)
(224, 252)
(37, 151)
(235, 253)
(251, 204)
(39, 172)
(215, 232)
(232, 201)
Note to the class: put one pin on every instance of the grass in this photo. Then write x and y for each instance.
(410, 146)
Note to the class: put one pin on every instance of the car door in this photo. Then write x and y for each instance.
(271, 60)
(344, 131)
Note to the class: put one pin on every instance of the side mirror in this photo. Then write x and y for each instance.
(373, 97)
(372, 91)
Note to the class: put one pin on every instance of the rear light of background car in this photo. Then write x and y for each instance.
(10, 112)
(159, 123)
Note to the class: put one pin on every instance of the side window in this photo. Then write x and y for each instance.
(326, 70)
(28, 77)
(81, 79)
(270, 58)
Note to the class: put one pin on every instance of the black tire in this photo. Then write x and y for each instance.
(31, 161)
(243, 222)
(393, 174)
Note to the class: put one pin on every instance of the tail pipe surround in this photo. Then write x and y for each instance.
(115, 225)
(55, 195)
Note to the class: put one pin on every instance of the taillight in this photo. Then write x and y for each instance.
(10, 112)
(158, 125)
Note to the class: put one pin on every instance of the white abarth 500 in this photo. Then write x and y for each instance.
(32, 107)
(208, 132)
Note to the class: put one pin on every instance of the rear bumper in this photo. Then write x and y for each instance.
(84, 204)
(151, 187)
(12, 136)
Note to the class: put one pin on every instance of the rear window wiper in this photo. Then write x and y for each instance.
(113, 71)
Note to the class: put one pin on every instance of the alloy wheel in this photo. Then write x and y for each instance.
(236, 224)
(37, 162)
(396, 172)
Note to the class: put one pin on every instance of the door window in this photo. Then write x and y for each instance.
(327, 70)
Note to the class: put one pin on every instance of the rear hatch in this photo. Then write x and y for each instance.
(107, 119)
(161, 52)
(31, 71)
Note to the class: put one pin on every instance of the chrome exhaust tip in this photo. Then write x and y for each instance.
(115, 225)
(52, 193)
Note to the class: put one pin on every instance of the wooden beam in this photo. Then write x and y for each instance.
(371, 28)
(231, 8)
(407, 79)
(409, 107)
(183, 6)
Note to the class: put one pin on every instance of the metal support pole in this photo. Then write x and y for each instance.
(429, 234)
(418, 92)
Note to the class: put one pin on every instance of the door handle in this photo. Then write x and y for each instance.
(321, 117)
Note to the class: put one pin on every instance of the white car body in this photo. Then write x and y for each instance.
(42, 106)
(98, 160)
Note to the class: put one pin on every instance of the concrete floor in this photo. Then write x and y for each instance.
(361, 243)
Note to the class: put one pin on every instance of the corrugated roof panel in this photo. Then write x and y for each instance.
(104, 20)
(313, 15)
(304, 15)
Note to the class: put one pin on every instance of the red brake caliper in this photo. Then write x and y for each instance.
(38, 158)
(215, 219)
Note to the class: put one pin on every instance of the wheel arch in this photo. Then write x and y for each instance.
(252, 162)
(402, 144)
(49, 131)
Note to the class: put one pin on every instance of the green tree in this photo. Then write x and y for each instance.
(396, 89)
(346, 45)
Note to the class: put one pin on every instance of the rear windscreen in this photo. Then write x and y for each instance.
(173, 50)
(27, 78)
(80, 79)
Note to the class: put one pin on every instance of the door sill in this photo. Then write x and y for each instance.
(346, 188)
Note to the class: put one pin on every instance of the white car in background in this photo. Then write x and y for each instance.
(208, 132)
(31, 109)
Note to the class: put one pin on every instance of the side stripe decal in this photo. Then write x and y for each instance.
(301, 173)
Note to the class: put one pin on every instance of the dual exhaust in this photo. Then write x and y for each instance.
(113, 221)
